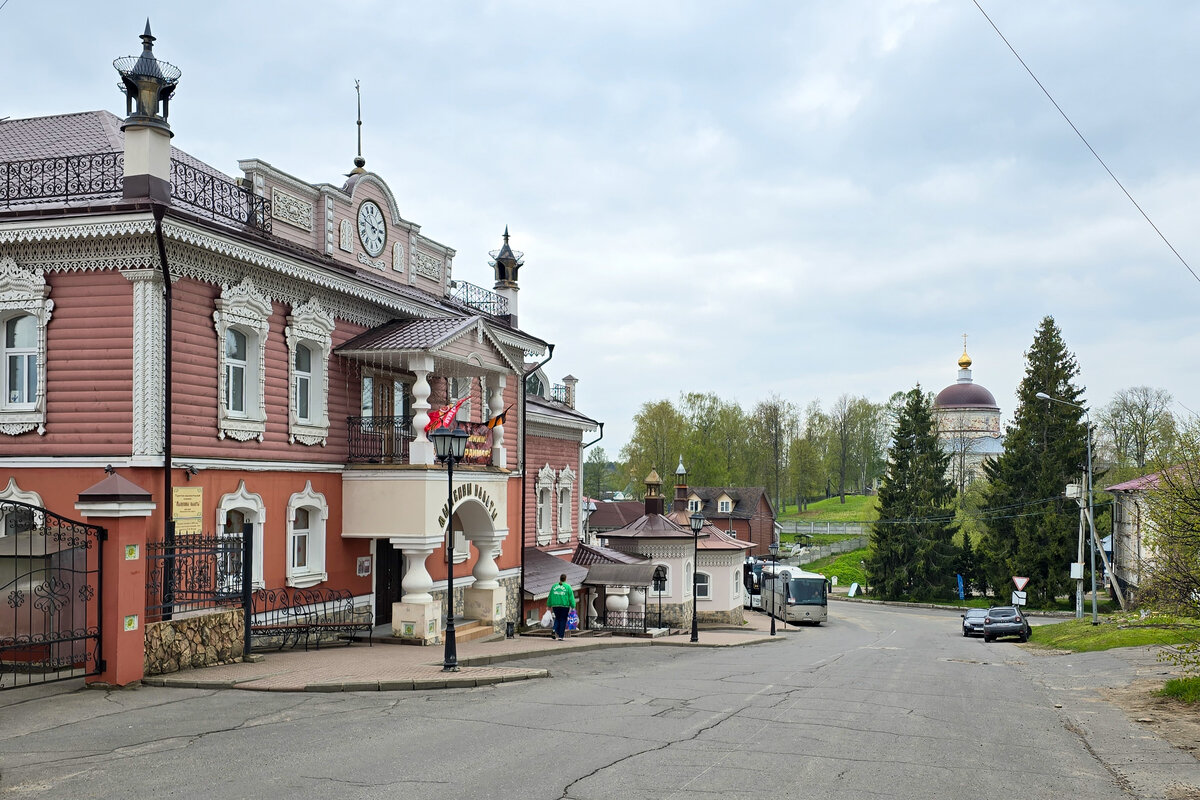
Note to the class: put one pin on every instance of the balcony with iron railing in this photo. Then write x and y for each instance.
(388, 440)
(96, 176)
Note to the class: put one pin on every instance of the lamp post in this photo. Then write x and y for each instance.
(696, 520)
(774, 548)
(1091, 516)
(450, 446)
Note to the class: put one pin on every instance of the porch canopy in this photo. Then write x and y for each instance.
(542, 571)
(620, 575)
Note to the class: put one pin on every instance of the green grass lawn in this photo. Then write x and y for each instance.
(1117, 630)
(845, 566)
(856, 508)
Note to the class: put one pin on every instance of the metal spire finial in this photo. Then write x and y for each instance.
(359, 161)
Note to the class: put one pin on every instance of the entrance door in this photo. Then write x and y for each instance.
(389, 569)
(385, 401)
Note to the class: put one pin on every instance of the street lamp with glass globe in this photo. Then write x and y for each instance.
(450, 446)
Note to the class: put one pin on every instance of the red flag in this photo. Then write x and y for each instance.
(444, 416)
(498, 419)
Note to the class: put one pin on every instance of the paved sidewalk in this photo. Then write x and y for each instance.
(388, 667)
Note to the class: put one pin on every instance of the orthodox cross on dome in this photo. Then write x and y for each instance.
(964, 361)
(359, 161)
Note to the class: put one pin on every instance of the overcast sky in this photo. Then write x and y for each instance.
(747, 198)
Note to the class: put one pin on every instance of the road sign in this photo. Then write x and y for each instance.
(1018, 598)
(1020, 583)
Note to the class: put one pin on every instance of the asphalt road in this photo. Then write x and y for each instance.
(880, 702)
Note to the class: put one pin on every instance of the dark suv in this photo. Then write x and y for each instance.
(1005, 621)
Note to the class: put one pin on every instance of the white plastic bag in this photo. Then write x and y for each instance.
(548, 619)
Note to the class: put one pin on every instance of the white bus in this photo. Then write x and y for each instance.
(794, 595)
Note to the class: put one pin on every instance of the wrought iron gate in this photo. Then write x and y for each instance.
(49, 596)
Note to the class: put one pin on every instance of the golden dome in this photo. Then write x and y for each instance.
(964, 361)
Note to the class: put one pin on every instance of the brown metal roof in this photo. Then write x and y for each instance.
(620, 575)
(542, 571)
(615, 514)
(588, 554)
(406, 334)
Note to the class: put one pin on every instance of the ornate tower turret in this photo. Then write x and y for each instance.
(148, 85)
(507, 263)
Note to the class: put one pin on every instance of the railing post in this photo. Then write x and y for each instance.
(168, 584)
(247, 588)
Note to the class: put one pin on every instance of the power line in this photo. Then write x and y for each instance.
(1085, 142)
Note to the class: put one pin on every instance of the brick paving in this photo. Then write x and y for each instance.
(388, 667)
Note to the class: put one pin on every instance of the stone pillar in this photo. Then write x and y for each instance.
(417, 615)
(637, 600)
(124, 509)
(486, 600)
(421, 450)
(495, 406)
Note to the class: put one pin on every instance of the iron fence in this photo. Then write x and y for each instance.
(629, 621)
(479, 299)
(44, 180)
(193, 574)
(50, 585)
(379, 440)
(219, 199)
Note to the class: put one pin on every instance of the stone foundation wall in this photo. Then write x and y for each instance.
(198, 641)
(512, 599)
(733, 616)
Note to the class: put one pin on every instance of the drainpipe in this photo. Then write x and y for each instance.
(524, 472)
(160, 211)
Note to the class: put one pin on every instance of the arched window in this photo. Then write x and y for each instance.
(564, 514)
(235, 510)
(20, 361)
(544, 500)
(309, 339)
(307, 515)
(242, 324)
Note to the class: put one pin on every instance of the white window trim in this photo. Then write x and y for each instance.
(543, 495)
(311, 325)
(255, 511)
(566, 483)
(724, 507)
(318, 515)
(687, 579)
(24, 291)
(248, 310)
(706, 594)
(693, 505)
(17, 494)
(650, 593)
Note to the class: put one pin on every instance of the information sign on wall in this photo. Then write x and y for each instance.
(187, 509)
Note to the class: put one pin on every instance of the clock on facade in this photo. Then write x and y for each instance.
(372, 230)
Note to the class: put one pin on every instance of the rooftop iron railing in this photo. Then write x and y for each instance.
(478, 299)
(60, 178)
(72, 178)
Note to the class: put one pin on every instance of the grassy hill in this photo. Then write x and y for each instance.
(857, 508)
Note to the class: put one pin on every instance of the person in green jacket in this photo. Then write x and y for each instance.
(560, 602)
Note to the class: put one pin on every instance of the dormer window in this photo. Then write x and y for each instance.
(724, 507)
(693, 505)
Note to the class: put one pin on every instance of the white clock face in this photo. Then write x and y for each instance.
(372, 231)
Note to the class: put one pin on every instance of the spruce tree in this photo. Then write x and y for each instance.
(912, 549)
(1030, 528)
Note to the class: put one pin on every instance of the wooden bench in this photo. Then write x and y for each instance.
(288, 616)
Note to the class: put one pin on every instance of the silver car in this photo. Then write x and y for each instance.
(1005, 621)
(973, 621)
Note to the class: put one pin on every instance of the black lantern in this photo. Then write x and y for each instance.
(774, 548)
(450, 446)
(696, 520)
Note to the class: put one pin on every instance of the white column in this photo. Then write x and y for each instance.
(417, 581)
(637, 600)
(495, 406)
(421, 451)
(488, 546)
